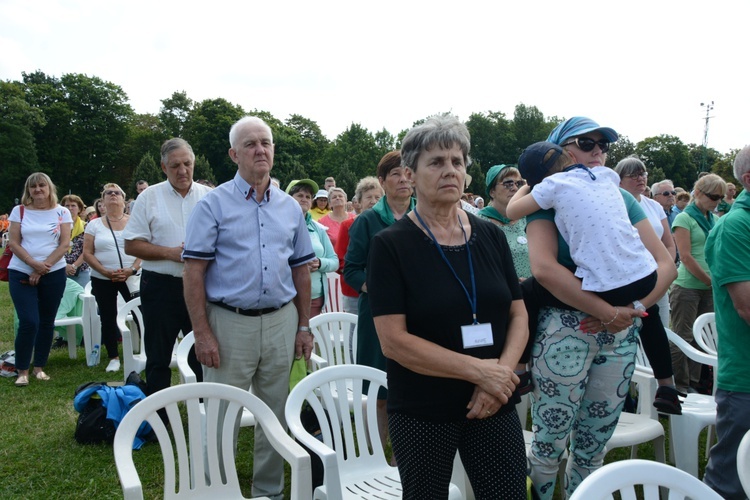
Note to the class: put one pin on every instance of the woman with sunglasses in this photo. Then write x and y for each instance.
(503, 181)
(584, 348)
(104, 252)
(691, 293)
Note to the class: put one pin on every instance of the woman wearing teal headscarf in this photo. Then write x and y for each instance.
(325, 258)
(691, 293)
(503, 182)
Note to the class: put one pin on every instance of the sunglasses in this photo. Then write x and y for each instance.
(714, 197)
(510, 184)
(112, 192)
(668, 193)
(587, 144)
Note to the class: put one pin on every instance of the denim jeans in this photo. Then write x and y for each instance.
(36, 307)
(732, 422)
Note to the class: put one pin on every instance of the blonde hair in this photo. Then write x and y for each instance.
(112, 185)
(710, 183)
(35, 179)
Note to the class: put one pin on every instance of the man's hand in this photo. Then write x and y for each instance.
(303, 345)
(207, 348)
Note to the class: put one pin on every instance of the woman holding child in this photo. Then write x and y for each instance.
(584, 350)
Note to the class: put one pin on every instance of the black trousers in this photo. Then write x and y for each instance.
(105, 292)
(164, 315)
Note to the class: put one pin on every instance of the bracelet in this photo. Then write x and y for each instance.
(303, 329)
(617, 312)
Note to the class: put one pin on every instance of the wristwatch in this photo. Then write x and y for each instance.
(638, 306)
(135, 271)
(303, 329)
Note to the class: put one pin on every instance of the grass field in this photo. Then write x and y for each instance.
(39, 458)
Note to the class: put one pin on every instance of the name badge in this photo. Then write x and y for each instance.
(522, 240)
(477, 335)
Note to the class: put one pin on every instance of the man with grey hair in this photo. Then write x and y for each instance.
(726, 254)
(247, 286)
(664, 193)
(155, 233)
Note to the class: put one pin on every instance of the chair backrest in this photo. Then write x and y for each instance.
(205, 465)
(351, 440)
(130, 319)
(624, 475)
(705, 334)
(332, 339)
(183, 350)
(743, 463)
(334, 301)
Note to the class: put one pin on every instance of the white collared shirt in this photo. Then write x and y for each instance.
(159, 216)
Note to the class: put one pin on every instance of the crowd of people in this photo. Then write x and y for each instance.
(543, 285)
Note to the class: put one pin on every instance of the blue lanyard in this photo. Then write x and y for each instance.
(473, 297)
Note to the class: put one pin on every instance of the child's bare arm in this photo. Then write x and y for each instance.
(522, 204)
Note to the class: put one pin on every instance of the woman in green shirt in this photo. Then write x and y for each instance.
(691, 293)
(502, 183)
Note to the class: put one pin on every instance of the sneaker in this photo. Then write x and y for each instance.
(525, 386)
(666, 400)
(114, 365)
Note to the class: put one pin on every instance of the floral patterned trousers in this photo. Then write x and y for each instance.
(580, 384)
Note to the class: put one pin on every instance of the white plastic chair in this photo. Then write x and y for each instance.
(130, 323)
(705, 333)
(643, 426)
(698, 412)
(331, 342)
(624, 475)
(89, 323)
(205, 456)
(743, 463)
(351, 450)
(331, 331)
(334, 302)
(188, 375)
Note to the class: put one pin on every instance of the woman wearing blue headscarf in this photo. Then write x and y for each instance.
(584, 353)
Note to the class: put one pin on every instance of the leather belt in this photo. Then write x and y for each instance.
(248, 312)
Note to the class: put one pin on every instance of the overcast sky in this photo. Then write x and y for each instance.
(641, 67)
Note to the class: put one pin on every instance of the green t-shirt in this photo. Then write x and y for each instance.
(685, 278)
(727, 254)
(635, 214)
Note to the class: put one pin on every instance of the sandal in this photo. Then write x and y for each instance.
(22, 381)
(40, 375)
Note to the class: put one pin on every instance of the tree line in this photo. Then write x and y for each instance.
(83, 132)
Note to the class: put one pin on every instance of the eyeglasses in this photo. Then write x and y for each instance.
(587, 144)
(639, 175)
(714, 197)
(668, 193)
(509, 184)
(112, 192)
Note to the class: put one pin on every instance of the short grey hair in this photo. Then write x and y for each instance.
(172, 145)
(445, 131)
(240, 124)
(629, 166)
(338, 190)
(366, 184)
(656, 186)
(742, 164)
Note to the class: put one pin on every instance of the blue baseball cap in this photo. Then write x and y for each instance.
(579, 125)
(532, 165)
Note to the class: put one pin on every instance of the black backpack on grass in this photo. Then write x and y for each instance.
(93, 426)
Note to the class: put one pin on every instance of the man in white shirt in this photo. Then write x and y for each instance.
(156, 233)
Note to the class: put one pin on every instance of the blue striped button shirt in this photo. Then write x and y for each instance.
(253, 246)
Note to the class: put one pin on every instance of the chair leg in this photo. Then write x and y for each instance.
(684, 435)
(72, 341)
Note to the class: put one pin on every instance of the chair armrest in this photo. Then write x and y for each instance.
(690, 351)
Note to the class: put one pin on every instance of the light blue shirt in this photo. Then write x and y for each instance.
(253, 246)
